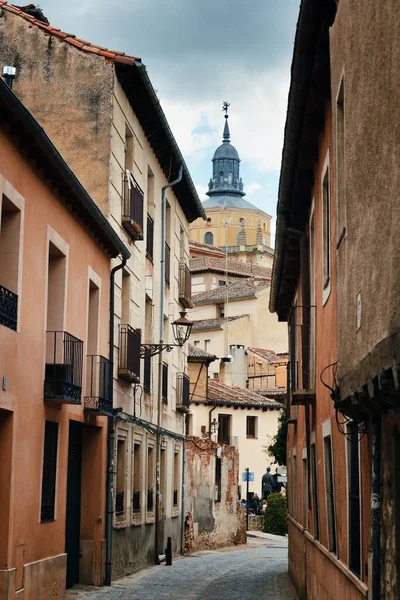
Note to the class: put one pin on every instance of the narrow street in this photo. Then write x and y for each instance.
(257, 571)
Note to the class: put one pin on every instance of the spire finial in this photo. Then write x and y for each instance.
(227, 135)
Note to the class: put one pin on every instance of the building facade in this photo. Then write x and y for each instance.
(330, 285)
(54, 364)
(110, 113)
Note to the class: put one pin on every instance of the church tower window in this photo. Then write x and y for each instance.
(209, 238)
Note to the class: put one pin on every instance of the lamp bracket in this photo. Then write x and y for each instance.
(153, 349)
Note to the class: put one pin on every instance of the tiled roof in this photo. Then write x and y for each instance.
(213, 323)
(196, 352)
(235, 267)
(237, 396)
(272, 392)
(245, 288)
(206, 246)
(268, 355)
(109, 55)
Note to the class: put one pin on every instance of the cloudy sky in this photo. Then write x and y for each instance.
(199, 53)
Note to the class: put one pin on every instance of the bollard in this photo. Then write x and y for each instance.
(168, 552)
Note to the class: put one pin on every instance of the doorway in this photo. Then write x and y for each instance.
(73, 516)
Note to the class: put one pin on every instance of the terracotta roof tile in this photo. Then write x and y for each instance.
(205, 246)
(213, 323)
(235, 267)
(70, 38)
(268, 355)
(237, 396)
(196, 352)
(245, 288)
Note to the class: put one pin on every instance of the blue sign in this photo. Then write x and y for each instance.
(247, 476)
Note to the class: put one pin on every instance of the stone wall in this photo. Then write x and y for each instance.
(211, 522)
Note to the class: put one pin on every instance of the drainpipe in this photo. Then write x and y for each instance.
(110, 434)
(376, 509)
(160, 365)
(209, 419)
(183, 488)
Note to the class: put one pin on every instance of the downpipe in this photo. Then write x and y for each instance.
(110, 434)
(160, 365)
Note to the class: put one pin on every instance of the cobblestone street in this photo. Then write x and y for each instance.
(257, 571)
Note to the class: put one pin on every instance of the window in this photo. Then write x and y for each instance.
(294, 479)
(221, 311)
(137, 477)
(305, 490)
(165, 383)
(129, 148)
(224, 429)
(196, 343)
(56, 289)
(314, 479)
(207, 344)
(150, 479)
(353, 458)
(216, 375)
(221, 283)
(313, 302)
(189, 424)
(163, 480)
(218, 478)
(49, 472)
(93, 318)
(326, 229)
(10, 228)
(208, 238)
(340, 166)
(251, 427)
(120, 483)
(176, 480)
(330, 494)
(208, 220)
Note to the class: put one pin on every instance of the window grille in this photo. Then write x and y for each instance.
(354, 500)
(165, 383)
(330, 495)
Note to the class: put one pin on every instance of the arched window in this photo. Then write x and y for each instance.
(208, 238)
(238, 238)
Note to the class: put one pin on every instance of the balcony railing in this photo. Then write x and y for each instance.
(63, 372)
(136, 501)
(185, 286)
(165, 383)
(150, 501)
(150, 238)
(182, 392)
(175, 498)
(301, 366)
(129, 353)
(119, 503)
(132, 207)
(97, 390)
(8, 308)
(167, 264)
(147, 372)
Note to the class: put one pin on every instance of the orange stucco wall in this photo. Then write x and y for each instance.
(322, 422)
(23, 410)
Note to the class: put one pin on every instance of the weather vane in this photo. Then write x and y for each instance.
(225, 106)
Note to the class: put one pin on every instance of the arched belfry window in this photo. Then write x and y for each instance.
(208, 238)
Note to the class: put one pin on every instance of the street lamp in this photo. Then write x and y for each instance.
(214, 427)
(181, 329)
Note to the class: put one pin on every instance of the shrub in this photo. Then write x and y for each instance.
(275, 516)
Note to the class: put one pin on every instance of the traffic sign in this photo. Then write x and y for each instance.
(247, 476)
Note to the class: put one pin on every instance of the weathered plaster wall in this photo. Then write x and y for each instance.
(212, 524)
(365, 50)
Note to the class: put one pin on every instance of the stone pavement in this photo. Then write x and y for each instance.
(257, 571)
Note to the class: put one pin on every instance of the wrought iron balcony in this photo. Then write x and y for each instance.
(185, 286)
(8, 308)
(150, 238)
(165, 383)
(147, 371)
(132, 207)
(175, 499)
(119, 503)
(167, 264)
(136, 502)
(150, 500)
(63, 372)
(129, 353)
(182, 392)
(97, 391)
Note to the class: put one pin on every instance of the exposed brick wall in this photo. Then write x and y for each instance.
(210, 523)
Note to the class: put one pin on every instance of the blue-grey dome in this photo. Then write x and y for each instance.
(228, 201)
(226, 150)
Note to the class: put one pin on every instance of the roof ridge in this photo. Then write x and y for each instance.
(116, 56)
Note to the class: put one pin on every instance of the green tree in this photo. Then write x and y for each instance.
(277, 448)
(275, 516)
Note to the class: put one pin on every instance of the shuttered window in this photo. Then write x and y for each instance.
(49, 471)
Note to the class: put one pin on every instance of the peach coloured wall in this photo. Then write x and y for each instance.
(22, 361)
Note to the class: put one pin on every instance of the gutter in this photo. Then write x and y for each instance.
(56, 161)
